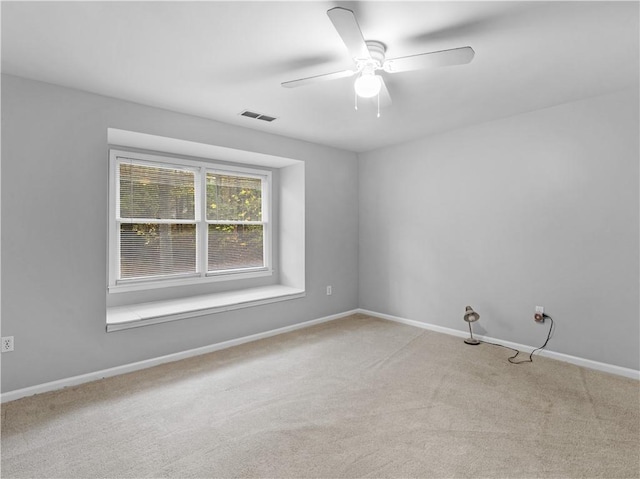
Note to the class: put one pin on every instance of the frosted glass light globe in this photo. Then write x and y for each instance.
(367, 85)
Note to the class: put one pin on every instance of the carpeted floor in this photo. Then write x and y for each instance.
(356, 397)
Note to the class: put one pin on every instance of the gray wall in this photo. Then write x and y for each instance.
(54, 233)
(538, 209)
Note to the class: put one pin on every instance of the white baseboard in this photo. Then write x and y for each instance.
(587, 363)
(127, 368)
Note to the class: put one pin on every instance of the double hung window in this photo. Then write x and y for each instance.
(176, 221)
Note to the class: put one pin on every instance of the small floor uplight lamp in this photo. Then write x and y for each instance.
(471, 316)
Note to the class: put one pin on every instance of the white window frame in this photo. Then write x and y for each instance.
(200, 168)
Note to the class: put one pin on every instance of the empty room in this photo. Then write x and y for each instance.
(311, 239)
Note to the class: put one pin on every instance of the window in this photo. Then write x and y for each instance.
(280, 225)
(177, 221)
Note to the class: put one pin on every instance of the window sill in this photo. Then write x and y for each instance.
(144, 314)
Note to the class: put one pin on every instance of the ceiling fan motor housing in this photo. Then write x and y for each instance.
(376, 50)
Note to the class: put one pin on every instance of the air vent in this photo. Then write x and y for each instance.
(257, 116)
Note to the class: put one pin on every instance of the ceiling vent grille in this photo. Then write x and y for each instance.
(257, 116)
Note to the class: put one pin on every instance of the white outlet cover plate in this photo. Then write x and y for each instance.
(7, 344)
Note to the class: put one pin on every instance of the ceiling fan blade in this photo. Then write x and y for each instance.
(455, 56)
(385, 97)
(347, 27)
(318, 78)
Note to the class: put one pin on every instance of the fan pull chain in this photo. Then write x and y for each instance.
(378, 104)
(356, 100)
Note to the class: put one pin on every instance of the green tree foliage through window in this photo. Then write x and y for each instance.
(233, 198)
(232, 202)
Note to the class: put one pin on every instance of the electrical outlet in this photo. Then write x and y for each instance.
(7, 344)
(539, 314)
(329, 290)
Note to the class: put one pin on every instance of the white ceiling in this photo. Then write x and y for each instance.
(215, 59)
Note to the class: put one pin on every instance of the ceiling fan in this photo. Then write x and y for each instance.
(369, 58)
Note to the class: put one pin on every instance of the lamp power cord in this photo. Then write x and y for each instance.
(530, 360)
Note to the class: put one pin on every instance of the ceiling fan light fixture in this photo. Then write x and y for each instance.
(369, 56)
(367, 85)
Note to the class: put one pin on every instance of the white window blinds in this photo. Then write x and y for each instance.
(186, 219)
(157, 216)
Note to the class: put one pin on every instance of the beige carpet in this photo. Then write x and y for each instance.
(357, 397)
